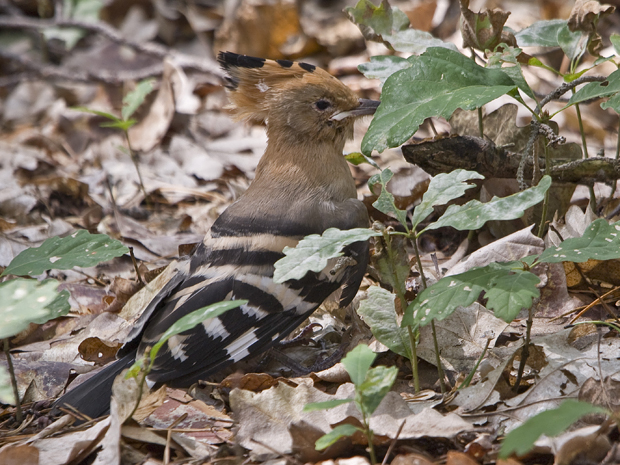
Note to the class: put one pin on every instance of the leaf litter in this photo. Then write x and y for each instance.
(60, 172)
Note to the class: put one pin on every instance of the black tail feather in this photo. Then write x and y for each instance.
(92, 397)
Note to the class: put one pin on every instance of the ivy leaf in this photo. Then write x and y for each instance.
(511, 293)
(63, 253)
(135, 98)
(325, 405)
(385, 202)
(474, 213)
(25, 301)
(338, 432)
(552, 33)
(437, 83)
(313, 252)
(357, 363)
(382, 67)
(594, 90)
(443, 188)
(379, 313)
(550, 423)
(600, 241)
(439, 301)
(378, 382)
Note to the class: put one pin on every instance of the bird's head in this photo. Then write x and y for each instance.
(297, 100)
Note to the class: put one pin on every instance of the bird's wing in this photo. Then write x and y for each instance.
(232, 267)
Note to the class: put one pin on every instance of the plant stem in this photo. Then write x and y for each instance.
(545, 207)
(592, 202)
(525, 351)
(442, 383)
(618, 145)
(414, 360)
(369, 436)
(583, 134)
(134, 158)
(480, 123)
(19, 415)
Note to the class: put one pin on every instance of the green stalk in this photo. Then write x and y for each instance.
(480, 123)
(19, 415)
(581, 130)
(545, 207)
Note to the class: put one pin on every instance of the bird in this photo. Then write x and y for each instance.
(302, 186)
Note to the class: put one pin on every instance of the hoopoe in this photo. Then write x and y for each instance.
(302, 186)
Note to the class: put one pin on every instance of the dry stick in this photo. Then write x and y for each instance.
(19, 415)
(135, 266)
(592, 304)
(169, 437)
(393, 443)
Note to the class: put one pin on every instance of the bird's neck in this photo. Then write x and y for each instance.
(315, 168)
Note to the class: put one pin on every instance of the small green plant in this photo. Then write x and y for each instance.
(143, 365)
(25, 301)
(550, 423)
(371, 386)
(131, 102)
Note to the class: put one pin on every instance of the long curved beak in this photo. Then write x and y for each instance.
(366, 107)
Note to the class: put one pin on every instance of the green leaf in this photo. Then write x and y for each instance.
(382, 67)
(377, 384)
(541, 33)
(338, 432)
(613, 102)
(474, 213)
(357, 362)
(511, 293)
(439, 301)
(84, 10)
(385, 201)
(325, 405)
(103, 114)
(194, 318)
(377, 21)
(135, 98)
(550, 423)
(391, 262)
(357, 158)
(415, 41)
(79, 249)
(600, 241)
(573, 44)
(437, 83)
(615, 41)
(594, 90)
(379, 313)
(313, 252)
(184, 324)
(508, 54)
(6, 392)
(122, 125)
(443, 188)
(25, 301)
(389, 24)
(60, 306)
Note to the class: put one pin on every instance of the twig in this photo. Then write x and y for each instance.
(561, 90)
(169, 437)
(393, 443)
(135, 266)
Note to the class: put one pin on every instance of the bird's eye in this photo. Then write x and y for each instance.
(322, 105)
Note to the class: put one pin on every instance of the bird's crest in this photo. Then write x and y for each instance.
(255, 83)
